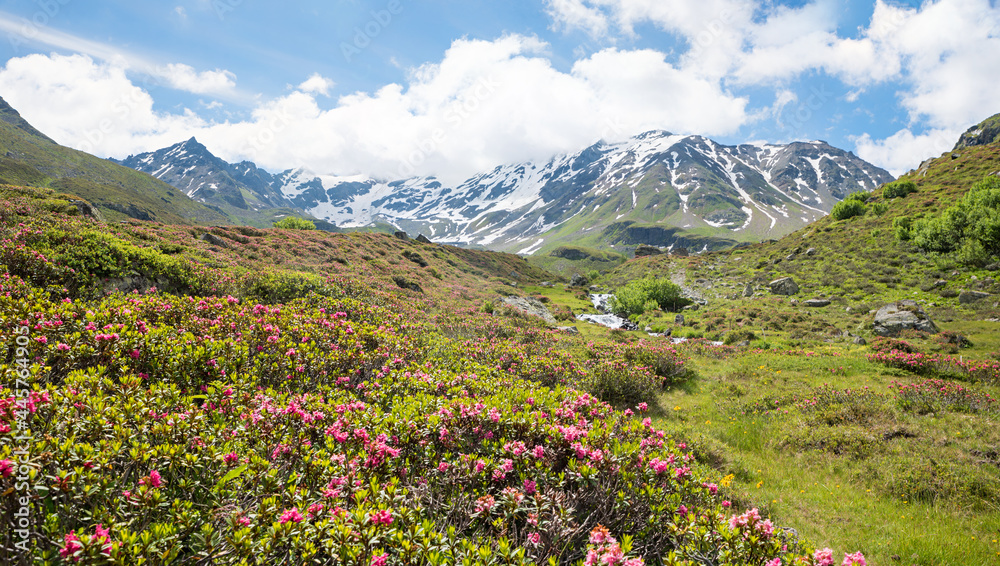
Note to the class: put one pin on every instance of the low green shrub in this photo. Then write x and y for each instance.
(847, 209)
(898, 189)
(293, 223)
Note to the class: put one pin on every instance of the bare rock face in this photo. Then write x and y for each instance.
(816, 303)
(423, 239)
(893, 318)
(969, 297)
(784, 286)
(529, 306)
(644, 250)
(213, 240)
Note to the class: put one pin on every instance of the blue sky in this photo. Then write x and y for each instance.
(396, 87)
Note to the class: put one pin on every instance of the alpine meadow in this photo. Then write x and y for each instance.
(547, 341)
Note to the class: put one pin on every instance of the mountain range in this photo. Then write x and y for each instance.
(656, 188)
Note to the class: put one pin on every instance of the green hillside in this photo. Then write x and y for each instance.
(184, 394)
(28, 157)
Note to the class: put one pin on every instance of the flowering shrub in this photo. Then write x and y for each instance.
(939, 365)
(336, 427)
(935, 395)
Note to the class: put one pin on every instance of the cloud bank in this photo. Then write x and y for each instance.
(488, 102)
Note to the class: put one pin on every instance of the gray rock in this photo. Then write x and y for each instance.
(993, 267)
(893, 318)
(789, 257)
(401, 235)
(644, 251)
(748, 290)
(423, 239)
(784, 286)
(969, 297)
(529, 306)
(578, 280)
(816, 303)
(547, 284)
(940, 283)
(679, 252)
(860, 341)
(568, 329)
(811, 251)
(87, 209)
(648, 329)
(693, 307)
(679, 319)
(213, 240)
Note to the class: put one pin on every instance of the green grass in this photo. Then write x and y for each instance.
(792, 481)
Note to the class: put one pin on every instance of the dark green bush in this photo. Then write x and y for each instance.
(971, 226)
(632, 299)
(847, 209)
(897, 189)
(293, 223)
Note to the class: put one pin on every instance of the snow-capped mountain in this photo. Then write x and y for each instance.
(656, 188)
(643, 189)
(190, 167)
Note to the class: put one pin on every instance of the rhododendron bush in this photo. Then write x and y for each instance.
(342, 427)
(331, 429)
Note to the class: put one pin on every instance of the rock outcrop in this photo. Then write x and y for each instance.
(892, 319)
(529, 306)
(784, 286)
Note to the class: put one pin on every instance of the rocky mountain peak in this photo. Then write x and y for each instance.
(983, 133)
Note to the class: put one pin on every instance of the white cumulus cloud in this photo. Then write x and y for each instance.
(485, 103)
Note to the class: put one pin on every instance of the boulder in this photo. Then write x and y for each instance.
(529, 306)
(568, 329)
(893, 318)
(423, 239)
(679, 319)
(784, 286)
(811, 251)
(401, 235)
(816, 303)
(969, 297)
(87, 209)
(679, 252)
(644, 251)
(578, 280)
(860, 341)
(213, 240)
(748, 290)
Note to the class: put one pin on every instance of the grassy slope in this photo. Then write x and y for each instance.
(450, 273)
(911, 488)
(30, 158)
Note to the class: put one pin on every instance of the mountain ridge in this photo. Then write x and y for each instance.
(685, 188)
